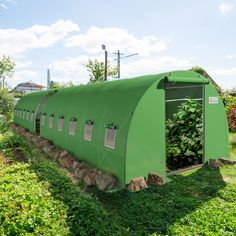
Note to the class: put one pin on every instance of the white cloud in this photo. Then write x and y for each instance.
(74, 69)
(22, 65)
(224, 72)
(225, 77)
(114, 39)
(22, 76)
(225, 8)
(15, 41)
(4, 6)
(154, 64)
(230, 56)
(71, 69)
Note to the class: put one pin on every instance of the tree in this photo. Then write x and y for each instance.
(96, 71)
(6, 68)
(57, 85)
(201, 71)
(7, 103)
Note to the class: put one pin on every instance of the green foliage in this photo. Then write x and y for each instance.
(230, 107)
(57, 85)
(96, 71)
(6, 66)
(232, 141)
(26, 205)
(229, 101)
(184, 136)
(6, 104)
(85, 216)
(198, 202)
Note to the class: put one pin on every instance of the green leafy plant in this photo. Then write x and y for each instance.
(36, 195)
(230, 107)
(229, 101)
(26, 205)
(7, 105)
(96, 70)
(184, 136)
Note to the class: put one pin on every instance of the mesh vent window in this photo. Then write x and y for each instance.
(27, 115)
(51, 118)
(43, 119)
(110, 138)
(60, 123)
(72, 127)
(32, 116)
(88, 131)
(23, 114)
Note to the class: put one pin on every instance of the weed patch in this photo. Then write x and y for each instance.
(198, 202)
(26, 205)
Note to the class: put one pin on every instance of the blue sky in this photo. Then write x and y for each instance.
(167, 35)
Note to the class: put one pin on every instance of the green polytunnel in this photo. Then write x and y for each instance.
(119, 126)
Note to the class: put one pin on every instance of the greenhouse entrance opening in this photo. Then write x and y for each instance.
(184, 104)
(39, 112)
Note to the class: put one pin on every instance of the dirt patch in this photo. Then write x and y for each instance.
(18, 156)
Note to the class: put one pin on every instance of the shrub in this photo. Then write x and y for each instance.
(7, 103)
(229, 101)
(85, 216)
(230, 107)
(184, 136)
(231, 116)
(26, 205)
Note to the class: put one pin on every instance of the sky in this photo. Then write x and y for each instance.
(167, 35)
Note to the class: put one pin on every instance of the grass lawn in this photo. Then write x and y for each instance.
(198, 202)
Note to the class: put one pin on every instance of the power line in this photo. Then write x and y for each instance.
(119, 59)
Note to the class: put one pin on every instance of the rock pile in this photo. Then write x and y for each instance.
(78, 169)
(140, 182)
(214, 164)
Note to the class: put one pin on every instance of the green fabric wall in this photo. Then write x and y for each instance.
(137, 107)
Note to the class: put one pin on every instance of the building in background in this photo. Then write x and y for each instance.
(28, 87)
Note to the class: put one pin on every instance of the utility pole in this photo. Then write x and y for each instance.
(48, 79)
(118, 62)
(105, 69)
(119, 59)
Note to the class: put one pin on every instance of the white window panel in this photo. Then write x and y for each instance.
(72, 127)
(110, 138)
(88, 131)
(32, 116)
(27, 115)
(43, 119)
(60, 124)
(51, 119)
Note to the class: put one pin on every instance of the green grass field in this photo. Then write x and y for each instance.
(198, 202)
